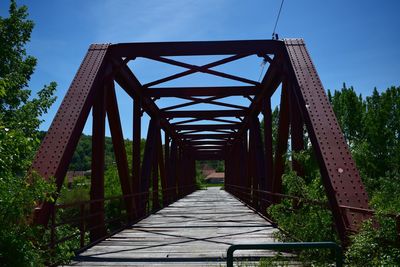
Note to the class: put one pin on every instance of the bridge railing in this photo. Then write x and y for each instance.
(337, 250)
(73, 222)
(260, 200)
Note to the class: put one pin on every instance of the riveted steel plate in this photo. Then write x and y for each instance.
(341, 177)
(56, 149)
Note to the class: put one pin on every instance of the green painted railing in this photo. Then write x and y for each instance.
(287, 246)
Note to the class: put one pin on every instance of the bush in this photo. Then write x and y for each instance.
(303, 221)
(21, 243)
(375, 246)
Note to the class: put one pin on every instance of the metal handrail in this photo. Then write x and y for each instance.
(249, 191)
(83, 217)
(287, 246)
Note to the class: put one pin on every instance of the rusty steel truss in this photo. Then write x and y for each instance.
(253, 168)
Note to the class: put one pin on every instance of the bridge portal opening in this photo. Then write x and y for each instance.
(227, 128)
(210, 173)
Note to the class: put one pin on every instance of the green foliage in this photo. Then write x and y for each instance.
(81, 160)
(301, 220)
(349, 109)
(200, 182)
(375, 245)
(371, 127)
(21, 244)
(79, 191)
(376, 152)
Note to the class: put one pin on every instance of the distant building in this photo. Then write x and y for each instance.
(215, 178)
(207, 170)
(71, 175)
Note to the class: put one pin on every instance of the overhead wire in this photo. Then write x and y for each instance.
(274, 37)
(274, 34)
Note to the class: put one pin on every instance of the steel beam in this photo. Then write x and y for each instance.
(56, 150)
(207, 142)
(258, 47)
(97, 219)
(207, 127)
(340, 176)
(282, 141)
(167, 166)
(203, 69)
(269, 84)
(268, 146)
(296, 133)
(147, 165)
(173, 169)
(128, 81)
(205, 136)
(220, 91)
(204, 114)
(137, 115)
(119, 149)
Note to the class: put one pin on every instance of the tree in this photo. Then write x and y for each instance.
(19, 115)
(350, 111)
(371, 127)
(19, 121)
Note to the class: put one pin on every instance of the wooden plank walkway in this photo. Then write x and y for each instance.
(194, 231)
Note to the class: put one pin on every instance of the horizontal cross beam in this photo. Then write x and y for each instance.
(259, 47)
(204, 114)
(208, 147)
(208, 150)
(210, 142)
(205, 136)
(207, 127)
(220, 91)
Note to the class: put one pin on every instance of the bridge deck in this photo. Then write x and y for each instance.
(194, 231)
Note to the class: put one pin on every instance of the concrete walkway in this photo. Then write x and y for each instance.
(194, 231)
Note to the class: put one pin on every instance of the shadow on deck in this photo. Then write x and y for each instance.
(194, 231)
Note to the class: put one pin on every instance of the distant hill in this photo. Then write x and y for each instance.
(81, 160)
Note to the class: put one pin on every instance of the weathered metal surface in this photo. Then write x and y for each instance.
(258, 47)
(282, 140)
(98, 164)
(220, 91)
(57, 148)
(204, 114)
(268, 144)
(119, 149)
(340, 175)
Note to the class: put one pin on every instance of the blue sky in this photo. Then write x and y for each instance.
(356, 42)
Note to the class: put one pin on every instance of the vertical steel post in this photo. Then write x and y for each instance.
(119, 150)
(173, 169)
(148, 157)
(161, 165)
(296, 132)
(268, 148)
(167, 191)
(281, 147)
(247, 182)
(259, 164)
(97, 225)
(137, 116)
(155, 200)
